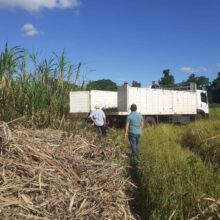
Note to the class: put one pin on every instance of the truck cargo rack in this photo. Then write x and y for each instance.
(191, 87)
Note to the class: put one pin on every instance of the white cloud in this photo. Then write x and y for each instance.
(68, 3)
(187, 69)
(29, 30)
(202, 69)
(35, 5)
(190, 70)
(219, 65)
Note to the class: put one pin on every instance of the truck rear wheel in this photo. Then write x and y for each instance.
(149, 122)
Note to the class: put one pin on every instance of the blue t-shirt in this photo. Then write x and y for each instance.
(135, 120)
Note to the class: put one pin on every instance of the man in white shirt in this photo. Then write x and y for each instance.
(99, 119)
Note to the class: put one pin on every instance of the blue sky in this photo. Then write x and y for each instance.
(122, 40)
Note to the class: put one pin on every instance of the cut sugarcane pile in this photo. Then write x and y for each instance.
(46, 175)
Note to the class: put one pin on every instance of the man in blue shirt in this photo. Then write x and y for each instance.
(133, 127)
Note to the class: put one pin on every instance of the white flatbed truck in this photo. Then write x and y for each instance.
(156, 105)
(161, 105)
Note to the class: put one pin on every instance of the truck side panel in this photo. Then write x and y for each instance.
(137, 96)
(160, 101)
(168, 104)
(184, 102)
(105, 99)
(85, 101)
(79, 102)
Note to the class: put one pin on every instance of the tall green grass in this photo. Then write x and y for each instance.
(172, 176)
(42, 93)
(177, 167)
(203, 138)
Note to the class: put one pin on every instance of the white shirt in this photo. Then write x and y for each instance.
(98, 116)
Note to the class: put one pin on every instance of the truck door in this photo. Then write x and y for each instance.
(202, 103)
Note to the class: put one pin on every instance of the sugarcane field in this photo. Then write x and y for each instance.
(56, 165)
(109, 110)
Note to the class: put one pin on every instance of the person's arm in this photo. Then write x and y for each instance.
(142, 123)
(92, 116)
(104, 118)
(126, 128)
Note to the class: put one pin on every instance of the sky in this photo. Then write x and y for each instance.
(121, 40)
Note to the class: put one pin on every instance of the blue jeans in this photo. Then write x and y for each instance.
(134, 141)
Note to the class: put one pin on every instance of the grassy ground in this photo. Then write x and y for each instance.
(172, 178)
(203, 138)
(177, 167)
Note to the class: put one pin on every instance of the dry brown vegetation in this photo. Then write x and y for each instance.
(45, 174)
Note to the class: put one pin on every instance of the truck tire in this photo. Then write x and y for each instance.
(199, 116)
(149, 122)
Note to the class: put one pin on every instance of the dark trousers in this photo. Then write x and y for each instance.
(101, 129)
(134, 141)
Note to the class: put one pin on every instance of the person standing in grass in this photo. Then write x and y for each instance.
(133, 128)
(99, 119)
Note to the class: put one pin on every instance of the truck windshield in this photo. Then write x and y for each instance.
(204, 97)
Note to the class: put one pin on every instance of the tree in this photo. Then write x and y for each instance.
(216, 82)
(167, 78)
(103, 84)
(191, 78)
(135, 84)
(214, 90)
(201, 81)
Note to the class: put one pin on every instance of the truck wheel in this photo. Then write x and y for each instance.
(149, 122)
(199, 116)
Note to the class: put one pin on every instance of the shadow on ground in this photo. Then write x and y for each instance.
(137, 204)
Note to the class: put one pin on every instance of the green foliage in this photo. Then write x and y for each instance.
(216, 82)
(216, 95)
(203, 138)
(9, 59)
(176, 167)
(214, 90)
(135, 84)
(167, 78)
(103, 84)
(172, 178)
(42, 95)
(201, 81)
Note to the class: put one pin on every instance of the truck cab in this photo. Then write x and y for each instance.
(202, 103)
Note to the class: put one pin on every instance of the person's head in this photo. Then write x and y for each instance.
(97, 106)
(133, 108)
